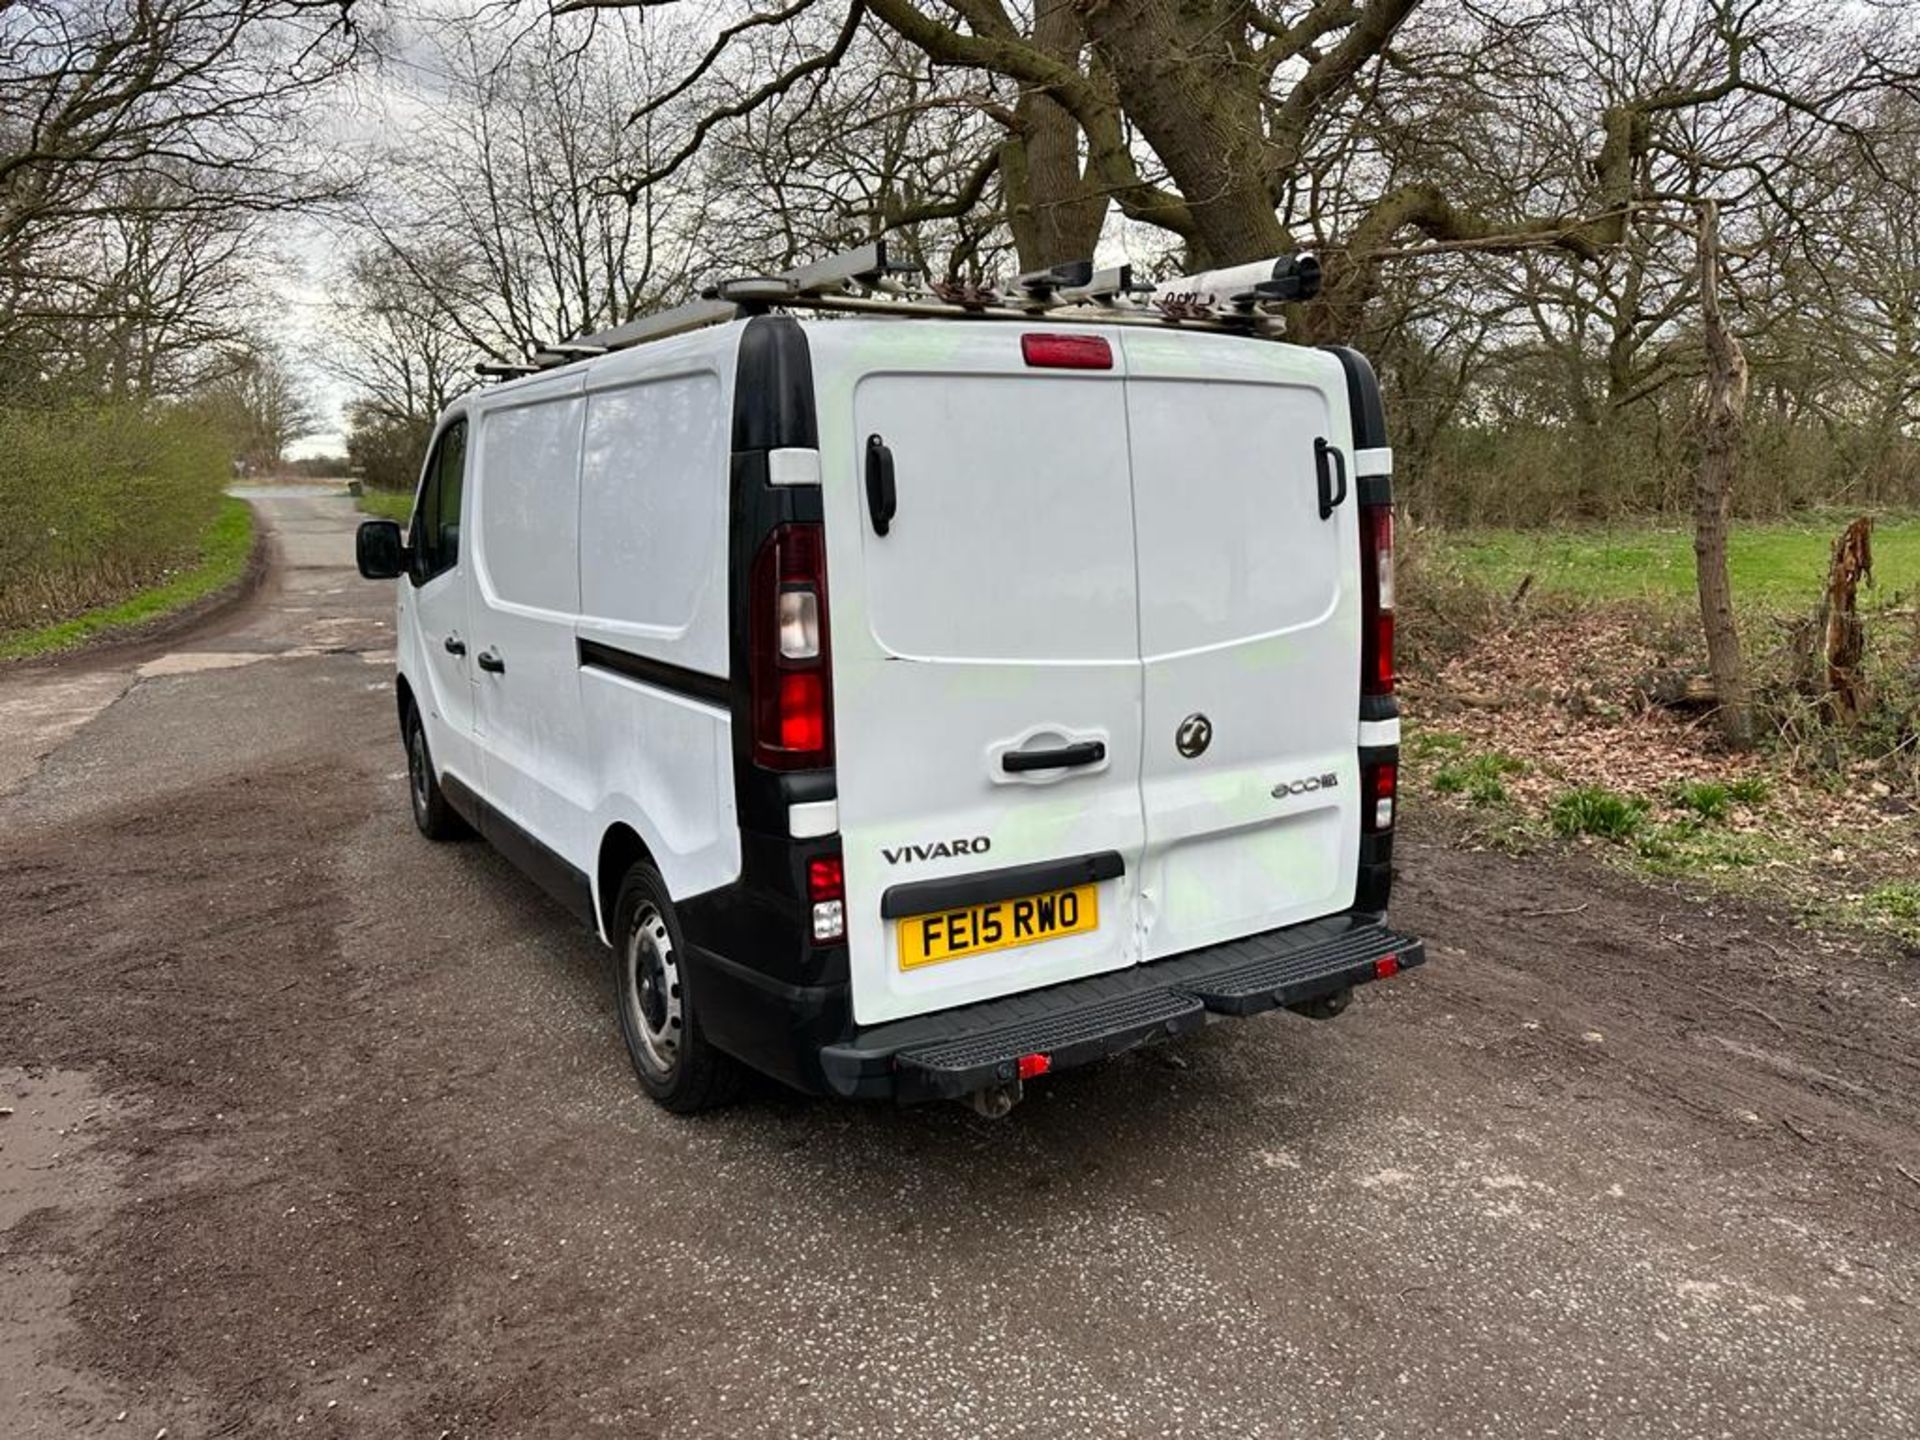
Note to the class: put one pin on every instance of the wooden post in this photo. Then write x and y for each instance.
(1723, 412)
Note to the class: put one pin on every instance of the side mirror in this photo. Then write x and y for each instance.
(379, 550)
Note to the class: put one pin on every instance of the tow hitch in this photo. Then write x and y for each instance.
(994, 1101)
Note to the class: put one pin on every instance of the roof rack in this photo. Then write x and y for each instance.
(866, 281)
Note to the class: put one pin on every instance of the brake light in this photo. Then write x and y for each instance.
(1028, 1066)
(790, 650)
(1067, 352)
(827, 889)
(1378, 783)
(1376, 599)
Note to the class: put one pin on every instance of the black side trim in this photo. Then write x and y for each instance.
(676, 679)
(469, 805)
(1363, 398)
(1373, 885)
(762, 923)
(923, 897)
(773, 395)
(1374, 489)
(1379, 707)
(552, 873)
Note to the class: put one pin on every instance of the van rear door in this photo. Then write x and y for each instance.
(1249, 634)
(986, 661)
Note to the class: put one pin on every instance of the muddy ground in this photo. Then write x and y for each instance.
(313, 1127)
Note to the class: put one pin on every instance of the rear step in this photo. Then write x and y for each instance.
(959, 1052)
(1263, 979)
(1066, 1037)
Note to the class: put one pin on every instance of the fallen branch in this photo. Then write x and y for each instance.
(1548, 914)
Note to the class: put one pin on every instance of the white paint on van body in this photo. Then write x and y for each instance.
(1002, 604)
(595, 508)
(1078, 555)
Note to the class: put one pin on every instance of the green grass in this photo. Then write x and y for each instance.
(1692, 848)
(223, 559)
(1777, 566)
(1708, 799)
(1891, 908)
(1419, 743)
(1596, 810)
(1480, 778)
(387, 504)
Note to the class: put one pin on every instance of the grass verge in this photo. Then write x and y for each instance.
(386, 504)
(1778, 566)
(223, 560)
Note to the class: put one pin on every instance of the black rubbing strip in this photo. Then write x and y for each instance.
(983, 887)
(675, 679)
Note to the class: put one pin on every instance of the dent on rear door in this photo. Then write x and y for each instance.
(997, 613)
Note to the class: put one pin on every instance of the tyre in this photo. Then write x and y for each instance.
(675, 1063)
(431, 812)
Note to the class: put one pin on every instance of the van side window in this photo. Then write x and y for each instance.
(436, 525)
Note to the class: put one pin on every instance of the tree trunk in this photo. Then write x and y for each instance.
(1191, 89)
(1723, 407)
(1846, 638)
(1055, 210)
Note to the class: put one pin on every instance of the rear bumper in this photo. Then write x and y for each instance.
(955, 1052)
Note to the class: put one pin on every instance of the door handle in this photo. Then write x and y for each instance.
(455, 645)
(882, 498)
(1329, 465)
(491, 663)
(1065, 757)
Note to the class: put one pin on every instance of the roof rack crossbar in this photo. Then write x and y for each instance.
(867, 281)
(867, 266)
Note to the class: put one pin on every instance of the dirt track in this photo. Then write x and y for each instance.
(350, 1145)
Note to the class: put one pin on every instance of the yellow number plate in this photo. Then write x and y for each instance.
(977, 929)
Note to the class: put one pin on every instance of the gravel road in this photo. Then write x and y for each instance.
(308, 1126)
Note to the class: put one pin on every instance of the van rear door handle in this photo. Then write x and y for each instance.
(491, 663)
(455, 645)
(1329, 465)
(882, 498)
(1083, 752)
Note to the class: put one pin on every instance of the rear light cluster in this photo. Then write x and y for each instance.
(1376, 599)
(791, 654)
(1379, 778)
(1377, 784)
(827, 889)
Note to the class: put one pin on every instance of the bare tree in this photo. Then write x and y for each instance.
(260, 403)
(498, 203)
(138, 140)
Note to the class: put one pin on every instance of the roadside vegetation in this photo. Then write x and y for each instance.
(114, 514)
(218, 561)
(1556, 695)
(1775, 565)
(387, 504)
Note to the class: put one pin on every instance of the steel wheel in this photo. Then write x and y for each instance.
(651, 992)
(419, 774)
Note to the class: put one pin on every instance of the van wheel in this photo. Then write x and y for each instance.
(431, 812)
(675, 1063)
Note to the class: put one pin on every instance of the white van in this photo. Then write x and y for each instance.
(918, 702)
